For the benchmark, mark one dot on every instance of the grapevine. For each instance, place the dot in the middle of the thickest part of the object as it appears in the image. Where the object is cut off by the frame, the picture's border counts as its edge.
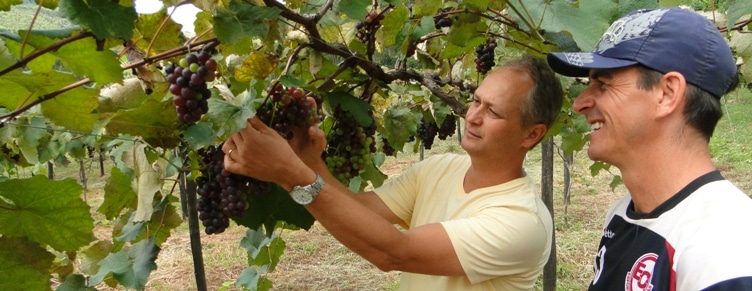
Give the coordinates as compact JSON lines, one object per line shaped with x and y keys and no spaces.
{"x":367,"y":28}
{"x":440,"y":20}
{"x":447,"y":127}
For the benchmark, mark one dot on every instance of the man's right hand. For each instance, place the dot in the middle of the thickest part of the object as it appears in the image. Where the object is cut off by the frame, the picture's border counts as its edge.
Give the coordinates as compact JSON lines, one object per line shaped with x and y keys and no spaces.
{"x":309,"y":143}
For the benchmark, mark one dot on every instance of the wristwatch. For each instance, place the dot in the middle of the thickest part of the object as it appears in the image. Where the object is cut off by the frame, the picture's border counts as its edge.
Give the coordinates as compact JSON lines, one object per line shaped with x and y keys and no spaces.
{"x":304,"y":195}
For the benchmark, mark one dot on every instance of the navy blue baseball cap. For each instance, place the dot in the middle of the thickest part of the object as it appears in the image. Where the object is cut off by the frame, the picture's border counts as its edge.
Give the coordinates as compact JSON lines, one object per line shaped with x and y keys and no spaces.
{"x":664,"y":40}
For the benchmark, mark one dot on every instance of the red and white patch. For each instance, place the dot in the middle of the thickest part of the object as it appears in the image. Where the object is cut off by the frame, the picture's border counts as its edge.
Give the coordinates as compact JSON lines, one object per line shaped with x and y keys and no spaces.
{"x":638,"y":279}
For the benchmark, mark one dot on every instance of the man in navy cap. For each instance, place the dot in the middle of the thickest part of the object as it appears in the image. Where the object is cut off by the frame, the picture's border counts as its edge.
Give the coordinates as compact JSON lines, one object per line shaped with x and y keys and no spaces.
{"x":653,"y":101}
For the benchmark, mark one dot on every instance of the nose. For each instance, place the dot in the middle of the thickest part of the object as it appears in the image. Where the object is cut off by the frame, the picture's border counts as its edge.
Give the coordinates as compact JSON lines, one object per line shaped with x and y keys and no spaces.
{"x":472,"y":115}
{"x":585,"y":101}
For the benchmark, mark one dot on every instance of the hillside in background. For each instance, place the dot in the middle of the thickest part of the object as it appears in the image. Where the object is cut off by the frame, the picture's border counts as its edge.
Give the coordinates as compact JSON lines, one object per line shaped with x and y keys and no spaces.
{"x":20,"y":16}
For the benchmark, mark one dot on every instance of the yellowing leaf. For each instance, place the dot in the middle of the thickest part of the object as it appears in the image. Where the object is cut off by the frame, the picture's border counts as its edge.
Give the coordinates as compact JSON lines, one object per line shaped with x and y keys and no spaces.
{"x":257,"y":65}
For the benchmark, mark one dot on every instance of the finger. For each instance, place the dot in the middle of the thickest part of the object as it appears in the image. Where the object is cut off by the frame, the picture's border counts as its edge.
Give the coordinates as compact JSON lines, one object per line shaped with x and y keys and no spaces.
{"x":228,"y":145}
{"x":229,"y":164}
{"x":314,"y":108}
{"x":257,"y":124}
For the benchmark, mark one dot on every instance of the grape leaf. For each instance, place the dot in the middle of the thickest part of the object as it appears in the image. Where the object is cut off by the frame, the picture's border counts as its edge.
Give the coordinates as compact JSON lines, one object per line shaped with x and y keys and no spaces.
{"x":147,"y":38}
{"x":74,"y":109}
{"x":74,"y":282}
{"x":742,"y":44}
{"x":92,"y":255}
{"x":118,"y":194}
{"x":6,"y":4}
{"x":82,"y":58}
{"x":251,"y":279}
{"x":426,"y":7}
{"x":737,"y":9}
{"x":106,"y":19}
{"x":393,"y":23}
{"x":232,"y":115}
{"x":275,"y":206}
{"x":130,"y":267}
{"x":355,"y":9}
{"x":199,"y":135}
{"x":242,"y":20}
{"x":47,"y":211}
{"x":477,"y":4}
{"x":263,"y":250}
{"x":164,"y":218}
{"x":373,"y":174}
{"x":28,"y":138}
{"x":24,"y":265}
{"x":564,"y":16}
{"x":148,"y":181}
{"x":358,"y":108}
{"x":155,"y":121}
{"x":399,"y":123}
{"x":117,"y":96}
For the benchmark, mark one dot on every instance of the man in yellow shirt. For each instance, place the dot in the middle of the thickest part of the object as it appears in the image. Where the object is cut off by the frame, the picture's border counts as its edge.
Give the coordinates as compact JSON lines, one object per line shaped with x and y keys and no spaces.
{"x":474,"y":221}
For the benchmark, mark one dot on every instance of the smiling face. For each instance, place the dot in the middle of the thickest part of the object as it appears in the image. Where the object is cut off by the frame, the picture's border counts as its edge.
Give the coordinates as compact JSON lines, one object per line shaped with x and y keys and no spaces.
{"x":618,"y":112}
{"x":493,"y":123}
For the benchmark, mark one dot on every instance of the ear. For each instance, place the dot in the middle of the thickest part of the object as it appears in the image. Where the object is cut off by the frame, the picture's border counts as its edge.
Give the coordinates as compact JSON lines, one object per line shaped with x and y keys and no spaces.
{"x":535,"y":134}
{"x":673,"y":86}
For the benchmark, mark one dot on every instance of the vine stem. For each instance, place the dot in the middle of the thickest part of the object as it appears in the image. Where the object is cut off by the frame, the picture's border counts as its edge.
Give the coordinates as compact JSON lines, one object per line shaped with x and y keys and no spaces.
{"x":53,"y":47}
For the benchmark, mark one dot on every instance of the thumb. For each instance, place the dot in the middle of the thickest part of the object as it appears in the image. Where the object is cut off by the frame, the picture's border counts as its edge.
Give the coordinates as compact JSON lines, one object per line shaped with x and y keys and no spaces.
{"x":318,"y":139}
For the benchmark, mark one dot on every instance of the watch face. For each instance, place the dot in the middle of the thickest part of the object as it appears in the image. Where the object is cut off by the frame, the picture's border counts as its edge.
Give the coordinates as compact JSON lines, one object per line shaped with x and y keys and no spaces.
{"x":301,"y":196}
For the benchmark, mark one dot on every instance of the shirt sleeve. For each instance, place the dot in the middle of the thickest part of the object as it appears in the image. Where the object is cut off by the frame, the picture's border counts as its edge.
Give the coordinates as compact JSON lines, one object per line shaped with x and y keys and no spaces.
{"x":399,"y":194}
{"x":499,"y":241}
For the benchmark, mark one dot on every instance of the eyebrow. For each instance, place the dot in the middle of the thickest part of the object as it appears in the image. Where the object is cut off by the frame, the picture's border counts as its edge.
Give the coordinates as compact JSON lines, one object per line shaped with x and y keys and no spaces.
{"x":600,"y":74}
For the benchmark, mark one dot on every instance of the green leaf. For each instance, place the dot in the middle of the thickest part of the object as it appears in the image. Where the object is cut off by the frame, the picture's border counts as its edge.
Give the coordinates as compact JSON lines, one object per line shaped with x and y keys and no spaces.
{"x":393,"y":23}
{"x":562,"y":16}
{"x":6,"y":4}
{"x":155,"y":121}
{"x":163,"y":219}
{"x":28,"y":138}
{"x":82,"y":58}
{"x":130,"y":267}
{"x":240,"y":20}
{"x":92,"y":255}
{"x":355,"y":9}
{"x":737,"y":9}
{"x":399,"y":123}
{"x":74,"y":110}
{"x":227,"y":117}
{"x":742,"y":44}
{"x":426,"y":26}
{"x":24,"y":265}
{"x":105,"y":18}
{"x":46,"y":211}
{"x":147,"y":37}
{"x":251,"y":279}
{"x":199,"y":135}
{"x":615,"y":182}
{"x":358,"y":108}
{"x":263,"y":250}
{"x":373,"y":174}
{"x":426,"y":7}
{"x":118,"y":194}
{"x":275,"y":206}
{"x":477,"y":4}
{"x":74,"y":282}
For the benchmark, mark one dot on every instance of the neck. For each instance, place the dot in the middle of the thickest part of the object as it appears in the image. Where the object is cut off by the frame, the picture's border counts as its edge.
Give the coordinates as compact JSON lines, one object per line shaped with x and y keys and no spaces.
{"x":657,"y":174}
{"x":488,"y":172}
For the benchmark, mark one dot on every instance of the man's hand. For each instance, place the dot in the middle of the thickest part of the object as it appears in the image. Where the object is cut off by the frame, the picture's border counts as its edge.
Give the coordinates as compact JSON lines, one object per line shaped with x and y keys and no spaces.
{"x":258,"y":151}
{"x":309,"y":143}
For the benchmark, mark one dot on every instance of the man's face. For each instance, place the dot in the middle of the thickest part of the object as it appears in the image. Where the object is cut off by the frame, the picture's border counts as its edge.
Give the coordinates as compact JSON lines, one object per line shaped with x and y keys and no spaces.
{"x":493,"y":121}
{"x":618,"y":112}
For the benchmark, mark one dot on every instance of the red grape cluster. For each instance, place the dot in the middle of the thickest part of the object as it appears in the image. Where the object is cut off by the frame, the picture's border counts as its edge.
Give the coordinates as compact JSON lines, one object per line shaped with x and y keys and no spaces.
{"x":448,"y":127}
{"x":188,"y":84}
{"x":367,"y":28}
{"x":427,"y":133}
{"x":485,"y":53}
{"x":387,"y":148}
{"x":222,"y":195}
{"x":289,"y":108}
{"x":441,"y":20}
{"x":350,"y":146}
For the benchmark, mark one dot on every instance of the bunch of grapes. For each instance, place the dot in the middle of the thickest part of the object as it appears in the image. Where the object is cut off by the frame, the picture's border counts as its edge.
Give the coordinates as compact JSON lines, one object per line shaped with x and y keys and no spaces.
{"x":222,"y":195}
{"x":427,"y":132}
{"x":386,"y":147}
{"x":440,"y":20}
{"x":367,"y":28}
{"x":288,"y":109}
{"x":350,"y":146}
{"x":485,"y":56}
{"x":188,"y":84}
{"x":447,"y":127}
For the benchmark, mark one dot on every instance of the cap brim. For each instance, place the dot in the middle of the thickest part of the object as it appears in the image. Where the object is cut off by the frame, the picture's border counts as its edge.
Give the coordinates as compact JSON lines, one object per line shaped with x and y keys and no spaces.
{"x":579,"y":64}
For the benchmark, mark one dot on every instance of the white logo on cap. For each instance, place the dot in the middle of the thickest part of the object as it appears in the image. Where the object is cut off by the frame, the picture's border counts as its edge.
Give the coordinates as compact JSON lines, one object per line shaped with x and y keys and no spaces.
{"x":637,"y":25}
{"x":578,"y":59}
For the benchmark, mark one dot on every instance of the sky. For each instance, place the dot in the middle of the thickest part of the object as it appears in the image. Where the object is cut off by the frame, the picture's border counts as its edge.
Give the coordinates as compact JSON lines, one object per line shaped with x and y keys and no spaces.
{"x":185,"y":14}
